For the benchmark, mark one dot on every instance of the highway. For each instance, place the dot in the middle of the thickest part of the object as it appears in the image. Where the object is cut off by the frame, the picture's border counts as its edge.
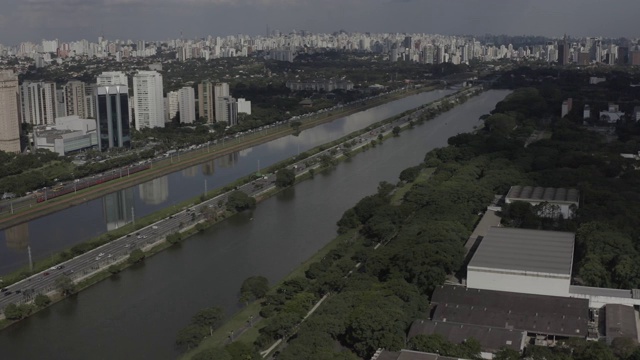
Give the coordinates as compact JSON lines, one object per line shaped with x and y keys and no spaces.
{"x":119,"y":249}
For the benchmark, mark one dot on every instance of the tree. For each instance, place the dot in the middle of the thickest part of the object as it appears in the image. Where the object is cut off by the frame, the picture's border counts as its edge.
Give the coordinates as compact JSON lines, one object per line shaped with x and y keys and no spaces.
{"x":396,"y":131}
{"x":623,"y":347}
{"x":42,"y":300}
{"x":285,"y":177}
{"x":240,"y":201}
{"x":254,"y":287}
{"x":113,"y":269}
{"x":209,"y":317}
{"x":410,"y":174}
{"x":242,"y":351}
{"x":136,"y":256}
{"x":212,"y":354}
{"x":12,"y":312}
{"x":65,"y":285}
{"x":191,"y":336}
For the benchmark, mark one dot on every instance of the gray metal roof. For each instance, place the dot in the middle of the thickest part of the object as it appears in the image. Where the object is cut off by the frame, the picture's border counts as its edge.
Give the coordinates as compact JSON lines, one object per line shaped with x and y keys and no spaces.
{"x":528,"y":193}
{"x":541,"y":314}
{"x":620,"y":321}
{"x":525,"y":250}
{"x":594,"y":291}
{"x":491,"y":339}
{"x":411,"y":355}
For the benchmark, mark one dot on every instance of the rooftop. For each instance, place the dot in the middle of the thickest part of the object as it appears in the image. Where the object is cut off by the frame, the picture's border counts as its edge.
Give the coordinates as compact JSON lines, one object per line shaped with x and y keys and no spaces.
{"x":411,"y":355}
{"x":528,"y":193}
{"x":491,"y":339}
{"x":552,"y":315}
{"x":539,"y":251}
{"x":620,"y":321}
{"x":594,"y":291}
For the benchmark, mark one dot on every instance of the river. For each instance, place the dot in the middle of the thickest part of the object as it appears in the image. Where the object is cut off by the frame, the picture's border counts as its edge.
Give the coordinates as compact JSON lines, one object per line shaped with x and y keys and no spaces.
{"x":61,"y":230}
{"x":137,"y":315}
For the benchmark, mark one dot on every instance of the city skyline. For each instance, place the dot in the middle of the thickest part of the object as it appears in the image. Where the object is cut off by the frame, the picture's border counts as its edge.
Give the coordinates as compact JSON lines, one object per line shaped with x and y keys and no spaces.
{"x":38,"y":19}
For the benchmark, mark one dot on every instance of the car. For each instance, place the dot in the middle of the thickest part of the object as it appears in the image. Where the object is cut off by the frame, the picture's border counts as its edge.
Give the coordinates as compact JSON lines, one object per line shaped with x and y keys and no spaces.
{"x":109,"y":255}
{"x":7,"y":293}
{"x":52,"y":268}
{"x":59,"y":267}
{"x":45,"y":274}
{"x":101,"y":254}
{"x":98,"y":258}
{"x":68,"y":272}
{"x":144,"y":236}
{"x":18,"y":291}
{"x":4,"y":290}
{"x":154,"y":227}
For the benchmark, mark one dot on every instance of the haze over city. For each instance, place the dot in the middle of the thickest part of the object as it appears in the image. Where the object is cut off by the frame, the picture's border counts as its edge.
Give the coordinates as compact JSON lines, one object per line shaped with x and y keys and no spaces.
{"x":68,"y":20}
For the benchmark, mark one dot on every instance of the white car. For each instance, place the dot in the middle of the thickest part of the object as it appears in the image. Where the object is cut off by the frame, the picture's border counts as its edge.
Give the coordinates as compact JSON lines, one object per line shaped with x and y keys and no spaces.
{"x":101,"y":254}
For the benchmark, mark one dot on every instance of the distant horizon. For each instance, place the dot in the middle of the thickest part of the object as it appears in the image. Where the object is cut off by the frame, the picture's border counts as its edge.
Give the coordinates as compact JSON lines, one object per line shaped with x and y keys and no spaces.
{"x":33,"y":20}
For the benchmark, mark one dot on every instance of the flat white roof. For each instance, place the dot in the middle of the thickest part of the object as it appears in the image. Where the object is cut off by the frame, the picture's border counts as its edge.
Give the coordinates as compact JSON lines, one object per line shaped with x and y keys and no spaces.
{"x":525,"y":250}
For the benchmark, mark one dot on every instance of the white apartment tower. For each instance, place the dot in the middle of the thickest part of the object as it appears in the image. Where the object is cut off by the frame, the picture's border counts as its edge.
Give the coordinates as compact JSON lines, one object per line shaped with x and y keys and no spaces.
{"x":9,"y":112}
{"x":149,"y":100}
{"x":220,"y":91}
{"x":75,"y":99}
{"x":187,"y":105}
{"x":38,"y":102}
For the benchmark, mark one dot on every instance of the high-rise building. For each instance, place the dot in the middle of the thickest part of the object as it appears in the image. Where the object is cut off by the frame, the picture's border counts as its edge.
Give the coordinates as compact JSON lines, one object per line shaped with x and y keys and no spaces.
{"x":172,"y":105}
{"x":149,"y":100}
{"x":220,"y":90}
{"x":563,"y":51}
{"x":9,"y":112}
{"x":90,"y":92}
{"x":187,"y":105}
{"x":227,"y":110}
{"x":113,"y":117}
{"x":206,"y":101}
{"x":112,"y":78}
{"x":74,"y":99}
{"x":39,"y":100}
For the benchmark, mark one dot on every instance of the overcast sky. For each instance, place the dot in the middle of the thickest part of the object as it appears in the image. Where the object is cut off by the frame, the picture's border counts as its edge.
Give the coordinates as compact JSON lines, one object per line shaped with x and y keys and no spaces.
{"x":34,"y":20}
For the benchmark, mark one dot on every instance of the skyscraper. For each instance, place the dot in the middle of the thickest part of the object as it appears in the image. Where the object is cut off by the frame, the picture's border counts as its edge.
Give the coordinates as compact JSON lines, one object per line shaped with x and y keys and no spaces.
{"x":113,"y":117}
{"x":563,"y":52}
{"x":9,"y":112}
{"x":39,"y":102}
{"x":220,"y":90}
{"x":74,"y":99}
{"x":206,"y":101}
{"x":227,"y":110}
{"x":187,"y":105}
{"x":149,"y":100}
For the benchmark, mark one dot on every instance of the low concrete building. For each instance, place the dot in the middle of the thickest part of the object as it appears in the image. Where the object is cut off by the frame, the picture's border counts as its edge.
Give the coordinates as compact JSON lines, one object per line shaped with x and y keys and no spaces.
{"x":563,"y":201}
{"x":523,"y":261}
{"x":409,"y":355}
{"x":320,"y":85}
{"x":620,"y":321}
{"x":69,"y":134}
{"x":612,"y":115}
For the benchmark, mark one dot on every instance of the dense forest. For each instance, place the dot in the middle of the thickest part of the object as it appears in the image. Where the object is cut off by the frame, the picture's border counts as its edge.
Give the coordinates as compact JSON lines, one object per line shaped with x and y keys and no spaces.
{"x":423,"y":235}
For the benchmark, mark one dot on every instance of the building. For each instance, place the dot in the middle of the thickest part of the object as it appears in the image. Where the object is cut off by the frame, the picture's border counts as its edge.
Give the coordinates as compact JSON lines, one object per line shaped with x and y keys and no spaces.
{"x":112,"y":78}
{"x":149,"y":100}
{"x":612,"y":115}
{"x":187,"y":105}
{"x":227,"y":110}
{"x":69,"y":134}
{"x":567,"y":105}
{"x":9,"y":112}
{"x":320,"y":85}
{"x":564,"y":202}
{"x":75,"y":99}
{"x":282,"y":55}
{"x":171,"y":105}
{"x":220,"y":90}
{"x":409,"y":355}
{"x":548,"y":316}
{"x":491,"y":339}
{"x":620,"y":321}
{"x":113,"y":117}
{"x":563,"y":51}
{"x":244,"y":106}
{"x":586,"y":112}
{"x":635,"y":116}
{"x":39,"y":101}
{"x":206,"y":101}
{"x":523,"y":261}
{"x":596,"y":80}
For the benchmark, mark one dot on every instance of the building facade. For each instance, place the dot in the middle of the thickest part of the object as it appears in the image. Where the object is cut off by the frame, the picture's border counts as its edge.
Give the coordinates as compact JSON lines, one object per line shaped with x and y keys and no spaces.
{"x":38,"y":102}
{"x":74,"y":99}
{"x":220,"y":90}
{"x":206,"y":103}
{"x":113,"y":117}
{"x":112,"y":78}
{"x":187,"y":105}
{"x":149,"y":100}
{"x":9,"y":112}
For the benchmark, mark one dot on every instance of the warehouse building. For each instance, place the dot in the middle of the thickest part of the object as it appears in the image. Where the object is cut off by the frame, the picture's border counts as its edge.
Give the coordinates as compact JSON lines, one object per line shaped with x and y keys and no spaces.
{"x":564,"y":201}
{"x":409,"y":355}
{"x":523,"y":261}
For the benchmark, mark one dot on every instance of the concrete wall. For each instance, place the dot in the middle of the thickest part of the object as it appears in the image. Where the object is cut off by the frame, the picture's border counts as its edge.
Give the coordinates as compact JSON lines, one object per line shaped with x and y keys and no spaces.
{"x":531,"y":283}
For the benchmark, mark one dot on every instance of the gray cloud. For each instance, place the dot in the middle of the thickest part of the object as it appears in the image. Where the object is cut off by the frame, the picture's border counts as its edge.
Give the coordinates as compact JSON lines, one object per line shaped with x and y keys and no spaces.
{"x":33,"y":20}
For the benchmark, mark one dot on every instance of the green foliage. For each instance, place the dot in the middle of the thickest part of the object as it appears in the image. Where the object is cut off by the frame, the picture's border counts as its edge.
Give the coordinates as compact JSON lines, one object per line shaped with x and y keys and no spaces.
{"x":239,"y":201}
{"x":136,"y":256}
{"x":396,"y":130}
{"x":13,"y":312}
{"x":210,"y":317}
{"x":285,"y":177}
{"x":242,"y":351}
{"x":42,"y":300}
{"x":191,"y":336}
{"x":65,"y":285}
{"x":410,"y":174}
{"x":175,"y":238}
{"x":254,"y":287}
{"x":113,"y":269}
{"x":212,"y":354}
{"x":436,"y":343}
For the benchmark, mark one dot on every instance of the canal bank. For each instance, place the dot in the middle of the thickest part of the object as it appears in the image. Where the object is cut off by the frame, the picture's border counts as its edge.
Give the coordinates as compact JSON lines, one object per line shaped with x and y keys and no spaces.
{"x":274,"y":239}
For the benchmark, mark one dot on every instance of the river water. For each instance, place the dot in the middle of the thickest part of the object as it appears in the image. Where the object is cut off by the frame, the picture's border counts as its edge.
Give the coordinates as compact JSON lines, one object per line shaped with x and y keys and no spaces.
{"x":63,"y":229}
{"x":137,"y":315}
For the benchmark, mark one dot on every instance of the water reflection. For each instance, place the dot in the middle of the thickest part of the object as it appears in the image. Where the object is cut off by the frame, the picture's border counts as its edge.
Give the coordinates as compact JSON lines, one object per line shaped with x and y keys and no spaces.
{"x":229,"y":160}
{"x":209,"y":168}
{"x":118,"y":208}
{"x":190,"y":172}
{"x":17,"y":237}
{"x":154,"y":192}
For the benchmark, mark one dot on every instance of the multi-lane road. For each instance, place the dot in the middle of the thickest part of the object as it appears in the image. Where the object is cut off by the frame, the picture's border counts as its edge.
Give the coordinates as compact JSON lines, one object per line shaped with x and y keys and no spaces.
{"x":118,"y":250}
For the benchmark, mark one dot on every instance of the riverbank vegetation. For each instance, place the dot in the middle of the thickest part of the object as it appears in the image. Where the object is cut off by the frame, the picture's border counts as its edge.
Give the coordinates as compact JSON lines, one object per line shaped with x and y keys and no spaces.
{"x":405,"y":249}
